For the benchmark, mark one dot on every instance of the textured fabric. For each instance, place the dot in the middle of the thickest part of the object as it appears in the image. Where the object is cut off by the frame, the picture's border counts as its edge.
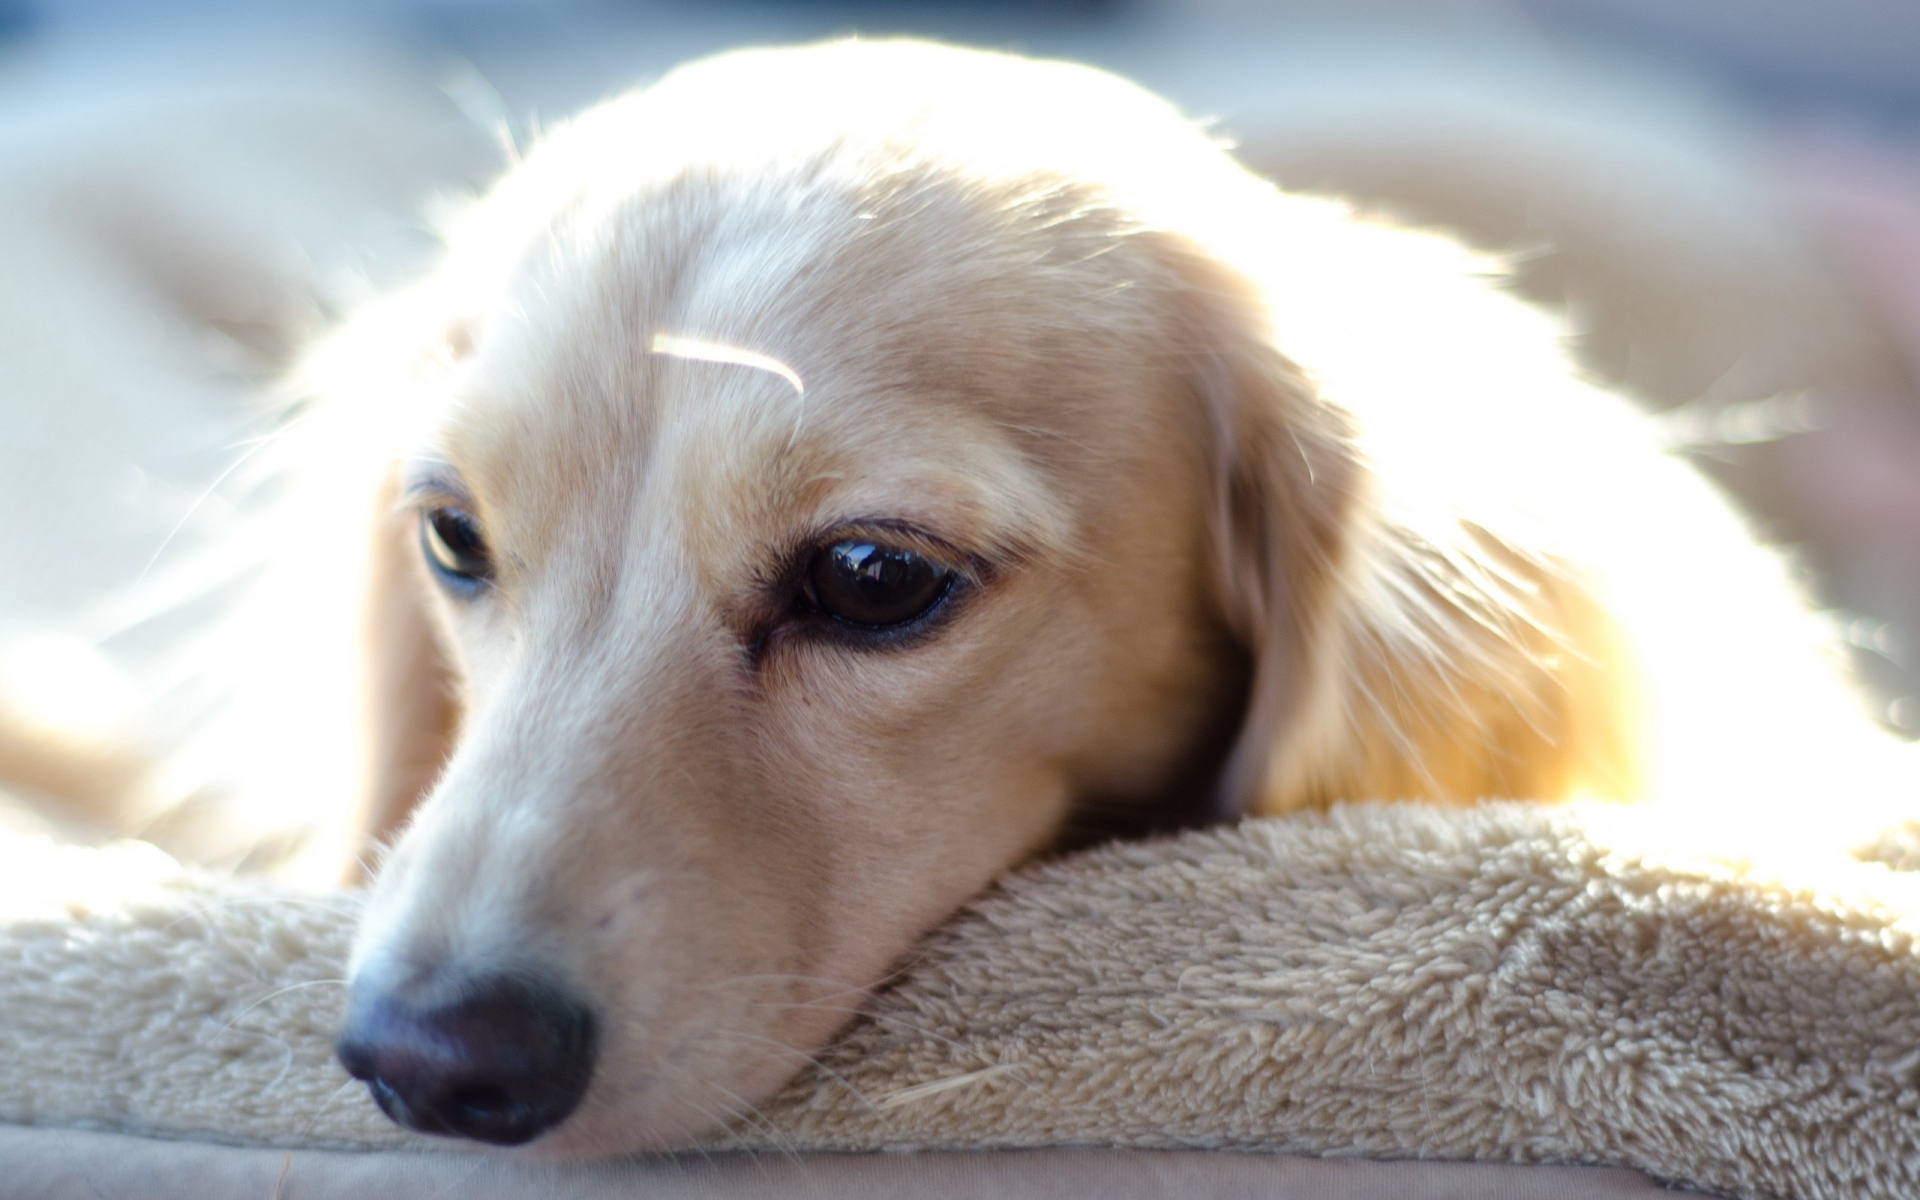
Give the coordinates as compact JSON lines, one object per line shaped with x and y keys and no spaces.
{"x":1503,"y":983}
{"x":74,"y":1165}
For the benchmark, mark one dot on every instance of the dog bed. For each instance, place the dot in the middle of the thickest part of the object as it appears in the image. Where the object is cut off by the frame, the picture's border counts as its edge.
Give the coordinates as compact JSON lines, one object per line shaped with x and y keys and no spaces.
{"x":1506,"y":984}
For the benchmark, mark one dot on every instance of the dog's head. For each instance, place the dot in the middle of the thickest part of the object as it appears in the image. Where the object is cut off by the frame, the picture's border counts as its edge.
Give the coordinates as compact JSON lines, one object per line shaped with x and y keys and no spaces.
{"x":834,"y":476}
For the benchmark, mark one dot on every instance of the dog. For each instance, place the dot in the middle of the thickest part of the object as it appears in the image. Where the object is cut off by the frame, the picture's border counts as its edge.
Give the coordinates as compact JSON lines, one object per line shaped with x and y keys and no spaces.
{"x":829,"y":477}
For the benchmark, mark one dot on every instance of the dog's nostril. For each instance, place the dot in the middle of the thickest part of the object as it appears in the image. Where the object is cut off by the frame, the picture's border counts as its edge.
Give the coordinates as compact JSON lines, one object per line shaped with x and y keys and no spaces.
{"x":478,"y":1106}
{"x":504,"y":1061}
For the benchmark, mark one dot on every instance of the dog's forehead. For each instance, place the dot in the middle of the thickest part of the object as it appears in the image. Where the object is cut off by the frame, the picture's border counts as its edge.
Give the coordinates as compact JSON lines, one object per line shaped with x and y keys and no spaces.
{"x":803,"y":347}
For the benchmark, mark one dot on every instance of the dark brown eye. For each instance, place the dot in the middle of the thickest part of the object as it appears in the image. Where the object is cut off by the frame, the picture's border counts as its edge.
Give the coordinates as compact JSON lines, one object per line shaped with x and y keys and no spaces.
{"x":874,"y":586}
{"x":450,"y":538}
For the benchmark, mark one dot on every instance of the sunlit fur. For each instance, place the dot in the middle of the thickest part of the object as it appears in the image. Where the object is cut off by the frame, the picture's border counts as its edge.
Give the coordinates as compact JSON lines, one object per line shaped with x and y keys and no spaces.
{"x":1212,"y":456}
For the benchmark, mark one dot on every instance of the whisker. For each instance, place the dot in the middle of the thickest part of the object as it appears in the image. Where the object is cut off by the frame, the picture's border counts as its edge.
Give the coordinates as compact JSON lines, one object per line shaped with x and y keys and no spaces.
{"x":711,"y":1118}
{"x":882,"y":1019}
{"x":278,"y":992}
{"x":763,"y":1122}
{"x":731,"y":1113}
{"x":320,"y":1112}
{"x":836,"y":987}
{"x":794,"y":1051}
{"x":206,"y":494}
{"x":204,"y":909}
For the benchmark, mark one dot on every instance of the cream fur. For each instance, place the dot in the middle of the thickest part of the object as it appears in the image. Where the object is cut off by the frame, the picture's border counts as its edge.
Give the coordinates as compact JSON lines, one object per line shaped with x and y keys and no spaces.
{"x":1161,"y":419}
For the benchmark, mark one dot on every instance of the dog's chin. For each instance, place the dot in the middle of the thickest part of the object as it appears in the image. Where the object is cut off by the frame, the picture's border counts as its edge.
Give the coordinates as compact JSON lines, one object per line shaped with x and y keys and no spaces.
{"x":671,"y":1104}
{"x":674,"y":1073}
{"x":636,"y":1125}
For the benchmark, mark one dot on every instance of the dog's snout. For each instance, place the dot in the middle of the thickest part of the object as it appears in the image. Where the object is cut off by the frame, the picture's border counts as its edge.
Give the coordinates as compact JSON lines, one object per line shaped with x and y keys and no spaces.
{"x":502,"y":1061}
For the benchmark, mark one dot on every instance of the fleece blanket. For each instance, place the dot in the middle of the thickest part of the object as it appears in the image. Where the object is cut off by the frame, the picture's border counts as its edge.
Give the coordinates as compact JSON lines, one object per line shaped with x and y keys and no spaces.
{"x":1506,"y":983}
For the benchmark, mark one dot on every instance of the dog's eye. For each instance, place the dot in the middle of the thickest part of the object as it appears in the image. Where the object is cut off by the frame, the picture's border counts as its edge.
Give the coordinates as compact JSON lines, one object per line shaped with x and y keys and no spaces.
{"x":453,"y":544}
{"x":865,"y":583}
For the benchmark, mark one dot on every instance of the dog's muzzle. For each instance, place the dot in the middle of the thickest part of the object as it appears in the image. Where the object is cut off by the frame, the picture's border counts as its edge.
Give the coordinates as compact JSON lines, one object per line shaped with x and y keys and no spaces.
{"x":503,"y":1060}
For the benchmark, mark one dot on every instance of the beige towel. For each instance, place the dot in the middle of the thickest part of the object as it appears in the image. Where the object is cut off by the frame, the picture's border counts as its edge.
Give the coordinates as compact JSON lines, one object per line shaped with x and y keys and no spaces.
{"x":1505,"y":983}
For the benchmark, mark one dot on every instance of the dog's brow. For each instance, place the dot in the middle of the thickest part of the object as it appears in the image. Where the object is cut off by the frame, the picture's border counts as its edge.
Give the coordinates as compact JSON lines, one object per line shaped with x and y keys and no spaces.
{"x":674,"y":346}
{"x":431,"y":476}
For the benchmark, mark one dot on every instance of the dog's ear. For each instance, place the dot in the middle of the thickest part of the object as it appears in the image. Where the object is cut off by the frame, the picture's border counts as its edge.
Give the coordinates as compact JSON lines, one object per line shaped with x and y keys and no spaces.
{"x":1286,"y":485}
{"x":363,"y":386}
{"x":1446,"y":664}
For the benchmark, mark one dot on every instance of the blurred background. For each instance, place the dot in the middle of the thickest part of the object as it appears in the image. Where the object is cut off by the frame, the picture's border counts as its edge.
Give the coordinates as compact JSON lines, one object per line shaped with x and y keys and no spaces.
{"x":1723,"y":196}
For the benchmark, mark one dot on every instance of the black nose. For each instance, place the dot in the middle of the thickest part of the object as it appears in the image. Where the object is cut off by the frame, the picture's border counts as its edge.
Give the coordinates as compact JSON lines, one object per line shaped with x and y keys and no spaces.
{"x":499,"y":1060}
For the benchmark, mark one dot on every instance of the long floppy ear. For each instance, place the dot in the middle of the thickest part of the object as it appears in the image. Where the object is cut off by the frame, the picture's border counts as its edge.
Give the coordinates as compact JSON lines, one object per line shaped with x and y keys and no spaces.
{"x":407,"y":682}
{"x":1286,"y":490}
{"x":1451,"y":664}
{"x":367,"y":382}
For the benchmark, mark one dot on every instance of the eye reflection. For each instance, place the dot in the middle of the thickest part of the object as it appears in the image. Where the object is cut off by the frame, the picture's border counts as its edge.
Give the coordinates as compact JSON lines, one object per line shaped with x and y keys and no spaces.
{"x":875,"y":586}
{"x":450,"y":538}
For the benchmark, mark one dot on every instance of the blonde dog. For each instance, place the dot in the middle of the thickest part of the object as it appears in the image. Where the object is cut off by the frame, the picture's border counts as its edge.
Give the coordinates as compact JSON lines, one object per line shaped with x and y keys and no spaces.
{"x":832,"y":476}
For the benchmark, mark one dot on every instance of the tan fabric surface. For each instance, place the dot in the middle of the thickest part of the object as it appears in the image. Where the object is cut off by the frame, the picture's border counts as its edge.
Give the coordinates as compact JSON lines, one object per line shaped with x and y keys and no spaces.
{"x":1389,"y":981}
{"x":74,"y":1165}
